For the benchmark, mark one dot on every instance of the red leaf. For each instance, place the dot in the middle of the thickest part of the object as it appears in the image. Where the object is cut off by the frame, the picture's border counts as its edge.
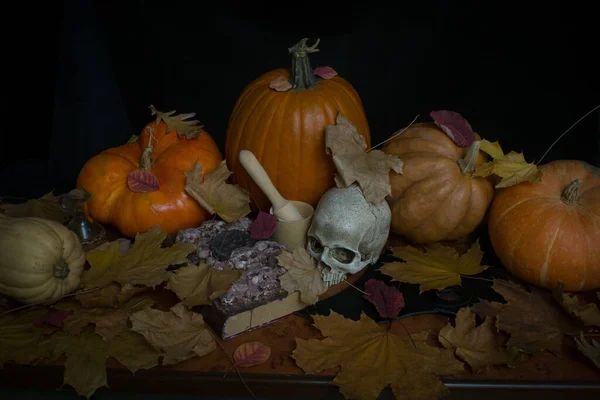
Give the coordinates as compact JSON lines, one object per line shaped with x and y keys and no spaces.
{"x":53,"y":318}
{"x":142,"y":181}
{"x":455,"y":126}
{"x":325,"y":72}
{"x":263,"y":227}
{"x":387,"y":300}
{"x":251,"y":353}
{"x":280,"y":84}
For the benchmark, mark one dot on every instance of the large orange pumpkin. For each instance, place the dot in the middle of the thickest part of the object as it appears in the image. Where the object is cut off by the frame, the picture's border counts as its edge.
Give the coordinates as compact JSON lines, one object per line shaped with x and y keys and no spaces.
{"x":105,"y":177}
{"x":286,"y":129}
{"x":549,"y":231}
{"x":436,"y":197}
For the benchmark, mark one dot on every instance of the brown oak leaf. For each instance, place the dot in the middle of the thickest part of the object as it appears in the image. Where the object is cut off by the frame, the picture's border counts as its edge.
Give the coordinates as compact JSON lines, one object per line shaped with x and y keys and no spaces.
{"x":178,"y":333}
{"x":302,"y":275}
{"x":371,"y":358}
{"x":588,"y":313}
{"x":228,"y":201}
{"x":184,"y":127}
{"x":200,"y":284}
{"x":144,"y":264}
{"x":437,"y":268}
{"x":479,"y":346}
{"x":370,"y":169}
{"x":511,"y":167}
{"x":533,"y":319}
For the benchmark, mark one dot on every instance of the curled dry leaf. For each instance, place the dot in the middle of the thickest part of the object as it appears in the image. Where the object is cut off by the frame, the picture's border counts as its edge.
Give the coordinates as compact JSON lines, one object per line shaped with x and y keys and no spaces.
{"x":144,"y":264}
{"x":178,"y":333}
{"x":590,"y":349}
{"x":479,"y":346}
{"x":47,"y":206}
{"x":438,"y":268}
{"x":251,"y":354}
{"x":302,"y":275}
{"x":511,"y":167}
{"x":200,"y":284}
{"x":263,"y":227}
{"x":533,"y":319}
{"x":180,"y":123}
{"x":230,"y":202}
{"x":142,"y":181}
{"x":455,"y":126}
{"x":280,"y":84}
{"x":388,"y":301}
{"x":371,"y":358}
{"x":588,"y":313}
{"x":354,"y":164}
{"x":325,"y":72}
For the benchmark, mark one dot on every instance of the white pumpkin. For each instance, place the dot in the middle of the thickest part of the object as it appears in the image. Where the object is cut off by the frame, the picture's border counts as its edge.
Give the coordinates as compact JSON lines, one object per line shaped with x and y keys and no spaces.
{"x":40,"y":259}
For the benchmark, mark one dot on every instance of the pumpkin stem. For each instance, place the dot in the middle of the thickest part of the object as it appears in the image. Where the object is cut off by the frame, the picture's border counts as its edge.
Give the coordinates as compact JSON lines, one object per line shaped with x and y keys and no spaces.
{"x":61,"y":269}
{"x":302,"y":76}
{"x":145,"y":161}
{"x":467,"y":163}
{"x":571,"y":193}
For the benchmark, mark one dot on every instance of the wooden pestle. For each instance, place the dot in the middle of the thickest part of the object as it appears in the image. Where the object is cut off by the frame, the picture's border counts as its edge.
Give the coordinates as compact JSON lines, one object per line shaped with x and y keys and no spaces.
{"x":282,"y":208}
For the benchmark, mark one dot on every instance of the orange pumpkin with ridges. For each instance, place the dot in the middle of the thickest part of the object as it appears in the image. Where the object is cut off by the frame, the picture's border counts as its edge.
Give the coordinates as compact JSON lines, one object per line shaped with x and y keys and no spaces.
{"x":105,"y":177}
{"x":549,"y":231}
{"x":286,"y":129}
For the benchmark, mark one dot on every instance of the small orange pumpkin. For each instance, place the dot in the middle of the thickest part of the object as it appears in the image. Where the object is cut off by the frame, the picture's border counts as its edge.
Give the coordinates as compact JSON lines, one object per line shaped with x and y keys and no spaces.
{"x":166,"y":156}
{"x":436,"y":197}
{"x":286,"y":129}
{"x":549,"y":231}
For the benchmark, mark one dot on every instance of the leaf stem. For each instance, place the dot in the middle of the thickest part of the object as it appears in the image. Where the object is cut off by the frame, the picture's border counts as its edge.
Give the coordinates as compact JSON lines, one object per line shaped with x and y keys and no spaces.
{"x":407,"y":332}
{"x":349,"y":284}
{"x":398,"y":133}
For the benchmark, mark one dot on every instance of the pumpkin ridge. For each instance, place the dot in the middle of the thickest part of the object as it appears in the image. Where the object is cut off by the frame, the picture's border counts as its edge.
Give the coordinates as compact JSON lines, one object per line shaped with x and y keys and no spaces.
{"x":544,"y":270}
{"x":116,"y":153}
{"x":358,"y":107}
{"x":511,"y":208}
{"x":287,"y":99}
{"x":426,"y":218}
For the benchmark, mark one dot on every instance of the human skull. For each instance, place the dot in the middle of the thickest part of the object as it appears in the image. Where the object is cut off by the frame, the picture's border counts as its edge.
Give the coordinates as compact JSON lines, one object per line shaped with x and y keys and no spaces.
{"x":347,"y":232}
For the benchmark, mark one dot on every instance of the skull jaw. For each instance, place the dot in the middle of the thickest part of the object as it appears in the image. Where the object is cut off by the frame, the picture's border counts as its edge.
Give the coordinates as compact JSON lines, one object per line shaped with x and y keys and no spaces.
{"x":330,"y":275}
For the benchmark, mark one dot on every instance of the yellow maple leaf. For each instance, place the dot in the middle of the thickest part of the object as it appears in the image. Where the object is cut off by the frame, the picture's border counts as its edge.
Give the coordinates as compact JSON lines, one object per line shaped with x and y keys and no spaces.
{"x":21,"y":340}
{"x":370,"y":169}
{"x":511,"y":167}
{"x":178,"y":333}
{"x":479,"y":346}
{"x":47,"y":206}
{"x":437,"y":268}
{"x":302,"y":275}
{"x":371,"y":357}
{"x":230,"y":202}
{"x":133,"y":351}
{"x":113,"y":295}
{"x":200,"y":284}
{"x":144,"y":263}
{"x":180,"y":123}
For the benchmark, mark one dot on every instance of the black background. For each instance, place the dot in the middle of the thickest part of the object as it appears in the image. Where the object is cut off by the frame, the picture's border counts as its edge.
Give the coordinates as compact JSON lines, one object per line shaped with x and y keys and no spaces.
{"x":81,"y":74}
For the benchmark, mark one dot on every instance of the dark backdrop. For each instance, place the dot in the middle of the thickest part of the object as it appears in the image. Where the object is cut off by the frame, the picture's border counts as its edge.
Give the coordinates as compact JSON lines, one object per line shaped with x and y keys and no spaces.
{"x":84,"y":72}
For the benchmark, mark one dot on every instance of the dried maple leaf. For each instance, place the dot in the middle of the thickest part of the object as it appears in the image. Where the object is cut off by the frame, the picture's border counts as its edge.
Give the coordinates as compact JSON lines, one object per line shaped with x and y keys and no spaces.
{"x":144,"y":264}
{"x":590,"y":350}
{"x":263,"y":227}
{"x":371,"y":358}
{"x":112,"y":295}
{"x":485,"y":308}
{"x":588,"y":313}
{"x":180,"y":123}
{"x":479,"y":346}
{"x":179,"y":334}
{"x":302,"y":275}
{"x":354,"y":164}
{"x":325,"y":72}
{"x":133,"y":351}
{"x":455,"y":126}
{"x":85,"y":367}
{"x":388,"y":301}
{"x":47,"y":206}
{"x":511,"y":167}
{"x":280,"y":84}
{"x":230,"y":202}
{"x":251,"y":354}
{"x":438,"y":268}
{"x":110,"y":322}
{"x":200,"y":284}
{"x":21,"y":339}
{"x":533,"y":319}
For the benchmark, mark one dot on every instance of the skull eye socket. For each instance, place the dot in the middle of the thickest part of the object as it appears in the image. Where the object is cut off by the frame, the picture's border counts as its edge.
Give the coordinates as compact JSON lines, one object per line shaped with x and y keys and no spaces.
{"x":314,"y":245}
{"x":345,"y":256}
